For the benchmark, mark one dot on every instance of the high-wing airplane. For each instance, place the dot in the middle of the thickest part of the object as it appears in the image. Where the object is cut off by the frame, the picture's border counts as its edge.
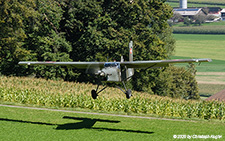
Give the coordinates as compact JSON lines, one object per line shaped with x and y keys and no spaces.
{"x":116,"y":71}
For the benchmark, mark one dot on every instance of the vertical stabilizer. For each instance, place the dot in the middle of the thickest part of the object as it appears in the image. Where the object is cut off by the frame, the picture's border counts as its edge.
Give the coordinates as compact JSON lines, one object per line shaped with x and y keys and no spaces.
{"x":130,"y":71}
{"x":131,"y":51}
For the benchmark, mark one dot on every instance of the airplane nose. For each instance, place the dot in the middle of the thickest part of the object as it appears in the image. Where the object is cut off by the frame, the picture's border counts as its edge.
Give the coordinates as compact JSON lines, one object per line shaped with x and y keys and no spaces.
{"x":102,"y":73}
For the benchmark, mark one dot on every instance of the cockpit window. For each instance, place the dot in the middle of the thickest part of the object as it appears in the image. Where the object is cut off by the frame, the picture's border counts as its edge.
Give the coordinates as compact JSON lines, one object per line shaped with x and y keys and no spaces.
{"x":112,"y":64}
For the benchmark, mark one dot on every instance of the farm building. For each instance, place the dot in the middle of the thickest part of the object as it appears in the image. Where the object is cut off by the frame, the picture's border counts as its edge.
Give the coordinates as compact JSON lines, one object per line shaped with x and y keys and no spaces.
{"x":220,"y":96}
{"x":223,"y":14}
{"x":212,"y":13}
{"x":215,"y":11}
{"x":189,"y":12}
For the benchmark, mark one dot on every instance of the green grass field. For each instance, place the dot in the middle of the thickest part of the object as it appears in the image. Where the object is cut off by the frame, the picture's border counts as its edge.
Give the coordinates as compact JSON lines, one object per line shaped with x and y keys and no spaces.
{"x":176,"y":4}
{"x":204,"y":46}
{"x":217,"y":28}
{"x":200,"y":3}
{"x":203,"y":1}
{"x":29,"y":124}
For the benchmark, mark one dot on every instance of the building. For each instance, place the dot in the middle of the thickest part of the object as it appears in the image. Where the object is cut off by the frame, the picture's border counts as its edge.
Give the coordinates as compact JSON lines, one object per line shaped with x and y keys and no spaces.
{"x":223,"y":14}
{"x":189,"y":12}
{"x":183,"y":4}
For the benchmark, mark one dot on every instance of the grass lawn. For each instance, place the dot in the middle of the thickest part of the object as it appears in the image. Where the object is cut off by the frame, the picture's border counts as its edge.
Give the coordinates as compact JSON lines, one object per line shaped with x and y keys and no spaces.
{"x":204,"y":1}
{"x":176,"y":4}
{"x":29,"y":124}
{"x":204,"y":46}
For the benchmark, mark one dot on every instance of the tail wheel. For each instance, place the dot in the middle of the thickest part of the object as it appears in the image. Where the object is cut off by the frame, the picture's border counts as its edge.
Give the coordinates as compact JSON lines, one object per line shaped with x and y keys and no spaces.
{"x":128,"y":93}
{"x":94,"y":94}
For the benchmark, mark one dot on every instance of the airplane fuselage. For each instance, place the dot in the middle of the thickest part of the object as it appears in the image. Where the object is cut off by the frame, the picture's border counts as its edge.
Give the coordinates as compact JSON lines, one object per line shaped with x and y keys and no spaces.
{"x":113,"y":72}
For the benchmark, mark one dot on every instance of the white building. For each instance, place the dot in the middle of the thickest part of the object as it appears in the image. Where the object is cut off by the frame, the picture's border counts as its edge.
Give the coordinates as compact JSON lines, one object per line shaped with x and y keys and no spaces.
{"x":223,"y":14}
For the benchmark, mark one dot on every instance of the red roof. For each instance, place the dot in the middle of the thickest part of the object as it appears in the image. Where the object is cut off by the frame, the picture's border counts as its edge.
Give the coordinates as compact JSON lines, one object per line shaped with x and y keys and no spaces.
{"x":220,"y":96}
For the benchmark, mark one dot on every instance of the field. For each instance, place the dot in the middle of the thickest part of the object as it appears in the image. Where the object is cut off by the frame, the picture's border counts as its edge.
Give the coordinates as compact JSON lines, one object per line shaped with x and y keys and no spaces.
{"x":206,"y":28}
{"x":211,"y":76}
{"x":199,"y":3}
{"x":33,"y":124}
{"x":59,"y":94}
{"x":203,"y":1}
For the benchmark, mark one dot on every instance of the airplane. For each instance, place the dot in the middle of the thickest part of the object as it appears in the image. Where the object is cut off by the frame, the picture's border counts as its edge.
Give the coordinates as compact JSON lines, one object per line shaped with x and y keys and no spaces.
{"x":116,"y":71}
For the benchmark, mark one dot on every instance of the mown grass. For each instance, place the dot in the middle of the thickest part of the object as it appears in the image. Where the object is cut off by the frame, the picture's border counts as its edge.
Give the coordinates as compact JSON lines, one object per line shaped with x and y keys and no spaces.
{"x":209,"y":89}
{"x":191,"y":4}
{"x":203,"y":1}
{"x":30,"y":124}
{"x":39,"y":92}
{"x":203,"y":46}
{"x":200,"y":46}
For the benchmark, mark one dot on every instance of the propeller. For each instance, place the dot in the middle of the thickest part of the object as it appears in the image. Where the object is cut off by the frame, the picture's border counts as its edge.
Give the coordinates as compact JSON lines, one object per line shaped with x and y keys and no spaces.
{"x":93,"y":69}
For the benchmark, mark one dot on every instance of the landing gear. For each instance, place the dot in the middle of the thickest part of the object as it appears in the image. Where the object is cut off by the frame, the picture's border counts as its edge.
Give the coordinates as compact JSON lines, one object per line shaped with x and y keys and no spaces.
{"x":128,"y":94}
{"x":94,"y":93}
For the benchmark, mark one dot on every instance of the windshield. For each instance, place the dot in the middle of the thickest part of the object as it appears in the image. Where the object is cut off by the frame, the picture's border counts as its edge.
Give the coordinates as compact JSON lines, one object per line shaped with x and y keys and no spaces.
{"x":112,"y":64}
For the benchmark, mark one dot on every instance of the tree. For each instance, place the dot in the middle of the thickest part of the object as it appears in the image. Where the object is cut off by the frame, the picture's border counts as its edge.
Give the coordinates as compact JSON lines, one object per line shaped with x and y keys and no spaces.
{"x":199,"y":19}
{"x":187,"y":21}
{"x":178,"y":82}
{"x":14,"y":16}
{"x":176,"y":17}
{"x":46,"y":40}
{"x":99,"y":30}
{"x":30,"y":31}
{"x":84,"y":30}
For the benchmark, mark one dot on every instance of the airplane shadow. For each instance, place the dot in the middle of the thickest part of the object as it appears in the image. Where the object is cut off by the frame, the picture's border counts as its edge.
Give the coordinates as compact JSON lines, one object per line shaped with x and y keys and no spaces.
{"x":86,"y":123}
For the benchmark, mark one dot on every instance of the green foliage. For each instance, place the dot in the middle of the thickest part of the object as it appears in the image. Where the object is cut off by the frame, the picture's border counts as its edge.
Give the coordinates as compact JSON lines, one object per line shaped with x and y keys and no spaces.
{"x":187,"y":21}
{"x":30,"y":31}
{"x":199,"y":19}
{"x":83,"y":30}
{"x":14,"y":16}
{"x":178,"y":82}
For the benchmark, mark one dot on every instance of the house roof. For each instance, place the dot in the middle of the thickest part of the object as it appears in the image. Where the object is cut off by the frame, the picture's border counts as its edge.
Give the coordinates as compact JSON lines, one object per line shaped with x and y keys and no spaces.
{"x":188,"y":11}
{"x":220,"y":96}
{"x":223,"y":11}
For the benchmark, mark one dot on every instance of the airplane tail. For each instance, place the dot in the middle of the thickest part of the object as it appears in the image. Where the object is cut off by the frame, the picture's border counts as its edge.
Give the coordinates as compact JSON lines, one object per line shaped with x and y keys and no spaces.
{"x":130,"y":71}
{"x":131,"y":51}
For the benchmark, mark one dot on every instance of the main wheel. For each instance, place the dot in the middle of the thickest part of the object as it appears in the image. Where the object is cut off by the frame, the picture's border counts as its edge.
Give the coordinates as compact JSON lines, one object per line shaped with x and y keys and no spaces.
{"x":128,"y":94}
{"x":94,"y":94}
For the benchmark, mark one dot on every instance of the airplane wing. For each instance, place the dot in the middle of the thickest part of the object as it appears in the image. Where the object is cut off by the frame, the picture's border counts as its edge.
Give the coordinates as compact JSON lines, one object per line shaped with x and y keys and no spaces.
{"x":160,"y":63}
{"x":78,"y":65}
{"x":132,"y":64}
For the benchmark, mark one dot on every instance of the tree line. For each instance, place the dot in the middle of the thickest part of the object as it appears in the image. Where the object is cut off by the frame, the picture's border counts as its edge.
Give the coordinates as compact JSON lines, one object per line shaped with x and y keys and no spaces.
{"x":91,"y":30}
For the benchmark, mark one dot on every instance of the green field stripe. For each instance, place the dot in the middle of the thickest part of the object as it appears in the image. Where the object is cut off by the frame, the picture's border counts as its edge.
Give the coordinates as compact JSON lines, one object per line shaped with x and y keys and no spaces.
{"x":30,"y":124}
{"x":214,"y":66}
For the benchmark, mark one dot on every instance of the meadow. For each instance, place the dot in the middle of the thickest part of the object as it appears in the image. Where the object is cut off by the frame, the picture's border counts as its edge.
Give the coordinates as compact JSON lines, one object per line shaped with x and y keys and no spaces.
{"x":203,"y":1}
{"x":202,"y":46}
{"x":211,"y":76}
{"x":199,"y":3}
{"x":31,"y":124}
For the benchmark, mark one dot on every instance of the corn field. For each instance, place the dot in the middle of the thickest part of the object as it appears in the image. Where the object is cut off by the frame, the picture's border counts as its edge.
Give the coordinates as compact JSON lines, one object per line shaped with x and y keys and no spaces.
{"x":40,"y":92}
